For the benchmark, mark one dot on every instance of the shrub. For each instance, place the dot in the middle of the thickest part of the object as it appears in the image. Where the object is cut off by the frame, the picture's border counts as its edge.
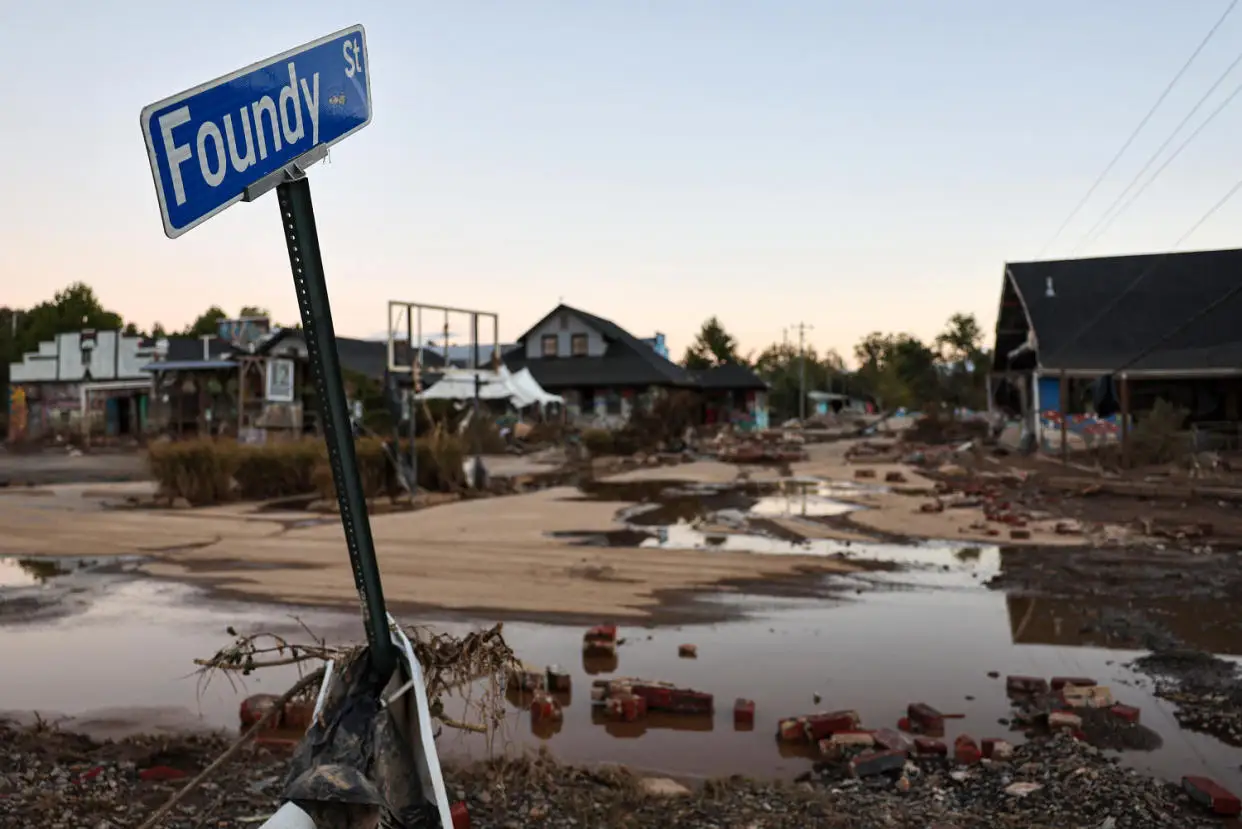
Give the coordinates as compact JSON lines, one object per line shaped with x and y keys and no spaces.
{"x":278,"y":469}
{"x":200,"y":471}
{"x":440,"y":458}
{"x":1157,"y":436}
{"x":598,"y":441}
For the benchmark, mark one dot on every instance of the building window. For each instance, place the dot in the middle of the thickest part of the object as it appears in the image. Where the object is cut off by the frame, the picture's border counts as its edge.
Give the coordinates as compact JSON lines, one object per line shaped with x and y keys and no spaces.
{"x":549,"y":344}
{"x":564,"y":319}
{"x":578,"y":345}
{"x":612,"y":402}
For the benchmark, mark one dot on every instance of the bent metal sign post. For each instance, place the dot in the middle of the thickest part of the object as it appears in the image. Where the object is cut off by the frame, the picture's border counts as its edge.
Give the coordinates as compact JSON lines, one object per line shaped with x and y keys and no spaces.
{"x":236,"y":138}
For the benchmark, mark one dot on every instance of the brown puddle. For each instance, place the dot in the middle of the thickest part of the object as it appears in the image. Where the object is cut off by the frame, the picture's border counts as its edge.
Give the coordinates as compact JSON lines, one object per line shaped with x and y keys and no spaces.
{"x":126,"y":662}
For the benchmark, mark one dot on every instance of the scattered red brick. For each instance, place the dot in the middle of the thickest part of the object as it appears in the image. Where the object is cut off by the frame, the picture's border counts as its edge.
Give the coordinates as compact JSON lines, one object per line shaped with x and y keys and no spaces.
{"x":1059,"y":682}
{"x":162,"y":773}
{"x":894,"y":477}
{"x":930,"y":747}
{"x":460,"y":815}
{"x":932,"y":506}
{"x":559,"y":680}
{"x":626,"y":707}
{"x":903,"y":724}
{"x":544,"y":708}
{"x":997,"y":749}
{"x":1064,"y":719}
{"x":297,"y":714}
{"x":1026,"y":685}
{"x":1020,"y":535}
{"x":1212,"y":795}
{"x":890,"y":740}
{"x":743,"y":713}
{"x":600,"y":639}
{"x":688,"y":651}
{"x":528,"y":681}
{"x":1125,"y":712}
{"x":90,"y":774}
{"x":966,"y":751}
{"x":871,"y":763}
{"x":925,"y":719}
{"x":819,"y":726}
{"x":864,"y":473}
{"x":253,"y":708}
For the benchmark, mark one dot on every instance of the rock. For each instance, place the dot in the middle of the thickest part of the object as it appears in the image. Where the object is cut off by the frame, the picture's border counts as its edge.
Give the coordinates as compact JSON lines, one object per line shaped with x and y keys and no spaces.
{"x":662,"y":787}
{"x":1022,"y":789}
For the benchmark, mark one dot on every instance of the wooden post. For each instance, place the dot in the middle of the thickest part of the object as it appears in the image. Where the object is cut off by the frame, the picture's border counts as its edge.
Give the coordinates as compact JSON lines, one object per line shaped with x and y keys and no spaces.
{"x":1064,"y":393}
{"x":242,"y":367}
{"x":1125,"y":421}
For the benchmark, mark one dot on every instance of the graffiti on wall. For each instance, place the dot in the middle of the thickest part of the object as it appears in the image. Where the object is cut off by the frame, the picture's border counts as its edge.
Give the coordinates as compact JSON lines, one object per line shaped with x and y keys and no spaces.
{"x":1087,"y":429}
{"x":17,"y":413}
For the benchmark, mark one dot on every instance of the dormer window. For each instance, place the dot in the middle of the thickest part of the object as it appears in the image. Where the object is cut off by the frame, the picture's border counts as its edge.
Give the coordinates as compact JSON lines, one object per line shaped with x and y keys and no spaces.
{"x":578,"y":345}
{"x":548,"y":345}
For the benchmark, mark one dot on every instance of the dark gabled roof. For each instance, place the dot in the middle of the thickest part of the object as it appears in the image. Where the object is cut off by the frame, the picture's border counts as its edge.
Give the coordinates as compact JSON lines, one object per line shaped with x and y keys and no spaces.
{"x":628,"y":361}
{"x":1174,"y":289}
{"x":367,"y":357}
{"x":188,"y":349}
{"x":730,"y":377}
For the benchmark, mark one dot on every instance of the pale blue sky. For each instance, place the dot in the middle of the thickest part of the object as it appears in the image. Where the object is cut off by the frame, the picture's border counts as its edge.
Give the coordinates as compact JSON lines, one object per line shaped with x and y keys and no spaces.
{"x":858,"y":165}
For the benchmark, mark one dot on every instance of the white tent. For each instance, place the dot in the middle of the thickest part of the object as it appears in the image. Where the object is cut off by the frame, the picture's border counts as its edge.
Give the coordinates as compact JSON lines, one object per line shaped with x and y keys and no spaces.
{"x":530,"y":390}
{"x":520,"y":389}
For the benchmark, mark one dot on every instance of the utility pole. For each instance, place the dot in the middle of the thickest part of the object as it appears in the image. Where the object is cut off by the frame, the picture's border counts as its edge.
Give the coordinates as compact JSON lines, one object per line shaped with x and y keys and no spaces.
{"x":802,"y":329}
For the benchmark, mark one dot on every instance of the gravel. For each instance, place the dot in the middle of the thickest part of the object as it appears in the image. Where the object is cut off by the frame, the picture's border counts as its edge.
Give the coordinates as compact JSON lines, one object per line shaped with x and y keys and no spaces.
{"x":54,"y":780}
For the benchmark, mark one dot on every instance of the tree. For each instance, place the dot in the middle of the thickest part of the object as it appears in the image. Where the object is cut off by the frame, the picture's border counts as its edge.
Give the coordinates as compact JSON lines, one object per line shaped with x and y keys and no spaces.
{"x":207,"y":322}
{"x":780,"y":365}
{"x":253,"y":311}
{"x":965,"y":361}
{"x":74,"y":308}
{"x":960,"y":340}
{"x":712,"y":346}
{"x":158,"y":332}
{"x":131,"y":330}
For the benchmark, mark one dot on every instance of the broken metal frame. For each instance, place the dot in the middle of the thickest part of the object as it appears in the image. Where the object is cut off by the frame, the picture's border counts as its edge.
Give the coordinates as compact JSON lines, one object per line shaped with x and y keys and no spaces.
{"x":412,"y":314}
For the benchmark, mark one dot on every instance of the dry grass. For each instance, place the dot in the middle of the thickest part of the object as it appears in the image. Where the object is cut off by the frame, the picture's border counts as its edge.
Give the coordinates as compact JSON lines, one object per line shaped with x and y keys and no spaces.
{"x":451,"y":665}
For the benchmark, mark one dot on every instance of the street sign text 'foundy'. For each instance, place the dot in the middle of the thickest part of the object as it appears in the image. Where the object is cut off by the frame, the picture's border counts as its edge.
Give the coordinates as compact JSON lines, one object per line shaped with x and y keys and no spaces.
{"x":209,"y":145}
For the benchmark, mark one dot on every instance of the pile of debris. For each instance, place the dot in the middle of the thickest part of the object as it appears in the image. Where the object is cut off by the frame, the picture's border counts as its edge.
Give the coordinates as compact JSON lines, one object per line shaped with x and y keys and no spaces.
{"x":630,"y":699}
{"x":770,"y":447}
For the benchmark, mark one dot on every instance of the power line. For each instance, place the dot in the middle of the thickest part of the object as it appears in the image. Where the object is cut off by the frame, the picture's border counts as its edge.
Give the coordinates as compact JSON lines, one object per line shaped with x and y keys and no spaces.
{"x":1152,"y":158}
{"x":1133,"y":135}
{"x":1107,"y":309}
{"x":1208,"y":309}
{"x":1137,"y":193}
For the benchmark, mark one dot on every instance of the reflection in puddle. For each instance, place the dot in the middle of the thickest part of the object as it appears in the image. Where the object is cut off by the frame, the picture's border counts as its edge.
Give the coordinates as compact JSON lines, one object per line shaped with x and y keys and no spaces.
{"x":29,"y":572}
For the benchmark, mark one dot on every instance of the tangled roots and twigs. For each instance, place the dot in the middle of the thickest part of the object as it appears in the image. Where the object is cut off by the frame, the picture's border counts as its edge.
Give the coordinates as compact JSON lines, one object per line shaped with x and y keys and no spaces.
{"x":449,"y":663}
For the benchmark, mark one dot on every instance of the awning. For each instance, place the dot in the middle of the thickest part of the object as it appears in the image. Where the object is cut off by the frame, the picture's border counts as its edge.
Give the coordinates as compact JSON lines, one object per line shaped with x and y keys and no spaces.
{"x":189,"y":365}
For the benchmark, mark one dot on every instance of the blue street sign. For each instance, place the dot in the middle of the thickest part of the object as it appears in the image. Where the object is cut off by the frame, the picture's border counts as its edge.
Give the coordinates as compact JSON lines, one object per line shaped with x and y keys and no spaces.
{"x":215,"y":144}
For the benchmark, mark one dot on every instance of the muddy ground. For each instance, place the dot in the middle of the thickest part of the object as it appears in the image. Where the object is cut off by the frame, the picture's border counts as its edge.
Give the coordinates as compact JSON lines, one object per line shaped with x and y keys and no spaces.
{"x":51,"y":779}
{"x":59,"y":466}
{"x":644,"y":548}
